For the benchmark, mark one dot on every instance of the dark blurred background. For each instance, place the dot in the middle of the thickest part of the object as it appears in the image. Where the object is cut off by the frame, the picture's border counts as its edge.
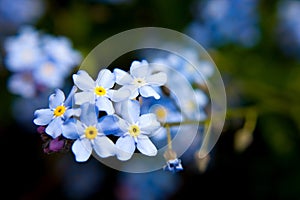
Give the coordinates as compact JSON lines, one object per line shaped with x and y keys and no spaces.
{"x":256,"y":47}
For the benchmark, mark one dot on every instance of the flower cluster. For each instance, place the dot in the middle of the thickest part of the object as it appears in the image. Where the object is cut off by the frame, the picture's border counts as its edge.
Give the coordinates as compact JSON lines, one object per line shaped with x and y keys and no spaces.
{"x":38,"y":61}
{"x":99,"y":118}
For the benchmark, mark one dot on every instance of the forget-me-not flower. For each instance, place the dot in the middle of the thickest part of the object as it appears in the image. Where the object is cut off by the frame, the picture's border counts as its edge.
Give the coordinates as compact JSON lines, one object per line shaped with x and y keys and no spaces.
{"x":58,"y":112}
{"x":99,"y":91}
{"x":90,"y":133}
{"x":23,"y":52}
{"x":135,"y":131}
{"x":173,"y":165}
{"x":140,"y":80}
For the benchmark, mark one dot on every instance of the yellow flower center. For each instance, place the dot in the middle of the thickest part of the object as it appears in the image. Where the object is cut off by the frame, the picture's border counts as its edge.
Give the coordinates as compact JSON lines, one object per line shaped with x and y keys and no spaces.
{"x":161,"y":113}
{"x":139,"y":82}
{"x":90,"y":132}
{"x":134,"y":130}
{"x":59,"y":111}
{"x":100,"y":91}
{"x":48,"y":69}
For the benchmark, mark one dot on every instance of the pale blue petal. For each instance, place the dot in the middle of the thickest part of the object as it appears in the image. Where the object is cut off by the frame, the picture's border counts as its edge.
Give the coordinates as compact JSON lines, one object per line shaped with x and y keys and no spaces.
{"x":159,"y":134}
{"x":80,"y":128}
{"x":122,"y":77}
{"x":139,"y":69}
{"x":131,"y":111}
{"x":134,"y":93}
{"x":104,"y":104}
{"x":148,"y":123}
{"x":83,"y":97}
{"x":104,"y":147}
{"x":69,"y":100}
{"x":201,"y":97}
{"x":119,"y":95}
{"x":83,"y":81}
{"x":109,"y":125}
{"x":56,"y":99}
{"x":105,"y":79}
{"x":54,"y":129}
{"x":133,"y":90}
{"x":123,"y":124}
{"x":89,"y":114}
{"x":72,"y":112}
{"x":69,"y":130}
{"x":82,"y":150}
{"x":147,"y":91}
{"x":157,"y":79}
{"x":145,"y":146}
{"x":43,"y":116}
{"x":125,"y":147}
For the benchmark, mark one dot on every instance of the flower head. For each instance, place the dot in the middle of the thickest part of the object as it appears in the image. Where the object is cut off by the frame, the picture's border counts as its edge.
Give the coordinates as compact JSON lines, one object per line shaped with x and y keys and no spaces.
{"x":98,"y":92}
{"x":58,"y":112}
{"x":135,"y":131}
{"x":90,"y":134}
{"x":173,"y":163}
{"x":140,"y":80}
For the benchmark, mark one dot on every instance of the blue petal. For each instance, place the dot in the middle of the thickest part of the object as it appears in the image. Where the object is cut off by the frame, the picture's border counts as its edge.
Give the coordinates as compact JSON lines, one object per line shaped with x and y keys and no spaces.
{"x":148,"y":123}
{"x":119,"y":95}
{"x":131,"y":111}
{"x":83,"y":81}
{"x":89,"y":114}
{"x":145,"y":146}
{"x":123,"y":125}
{"x":104,"y":104}
{"x":70,"y":98}
{"x":139,"y":69}
{"x":54,"y":129}
{"x":69,"y":130}
{"x":109,"y":125}
{"x":56,"y":99}
{"x":125,"y":147}
{"x":122,"y":77}
{"x":82,"y":150}
{"x":147,"y":91}
{"x":104,"y":147}
{"x":43,"y":117}
{"x":72,"y":112}
{"x":105,"y":79}
{"x":157,"y":79}
{"x":83,"y":97}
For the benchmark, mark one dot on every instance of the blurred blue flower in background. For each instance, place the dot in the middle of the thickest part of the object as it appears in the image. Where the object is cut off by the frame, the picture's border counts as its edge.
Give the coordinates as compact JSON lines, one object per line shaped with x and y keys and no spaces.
{"x":288,"y":29}
{"x":220,"y":22}
{"x":41,"y":61}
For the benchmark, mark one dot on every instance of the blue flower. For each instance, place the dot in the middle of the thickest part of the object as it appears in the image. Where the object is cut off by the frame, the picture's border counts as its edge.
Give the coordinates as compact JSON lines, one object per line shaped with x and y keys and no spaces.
{"x":59,"y":50}
{"x":135,"y":131}
{"x":99,"y":91}
{"x":90,"y":134}
{"x":47,"y":60}
{"x":23,"y":51}
{"x":22,"y":84}
{"x":140,"y":80}
{"x":58,"y":112}
{"x":173,"y":165}
{"x":49,"y":74}
{"x":166,"y":111}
